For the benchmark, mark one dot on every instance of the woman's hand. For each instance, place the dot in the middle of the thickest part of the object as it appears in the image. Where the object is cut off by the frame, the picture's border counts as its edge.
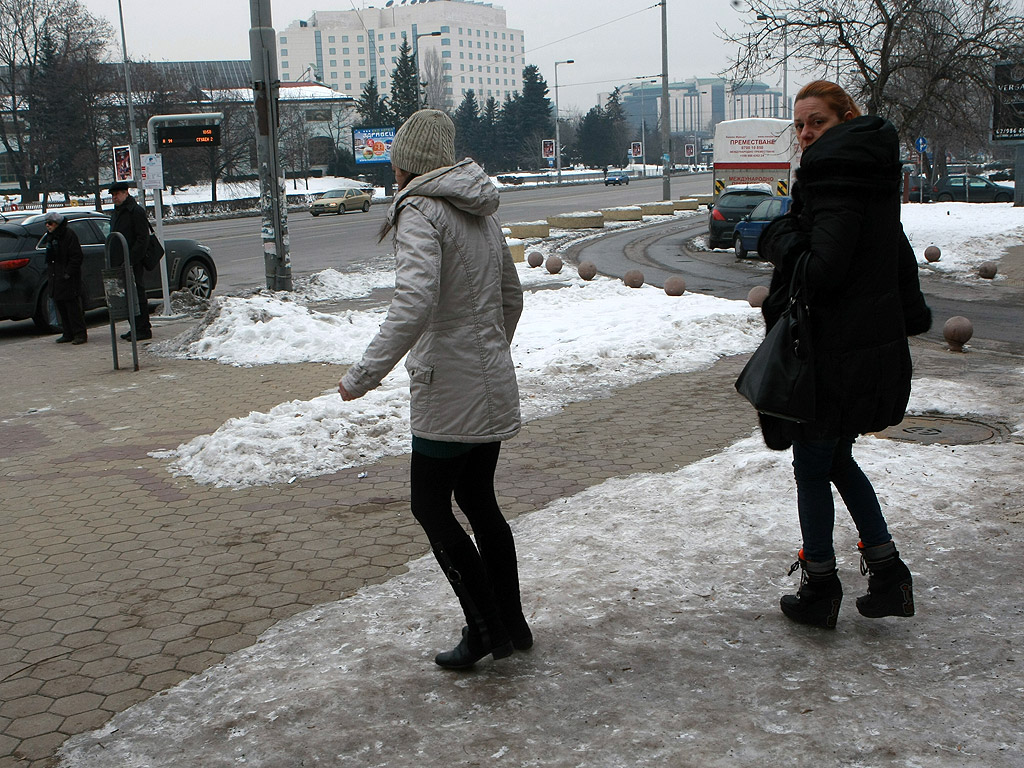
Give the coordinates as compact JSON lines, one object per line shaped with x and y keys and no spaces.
{"x":345,"y":394}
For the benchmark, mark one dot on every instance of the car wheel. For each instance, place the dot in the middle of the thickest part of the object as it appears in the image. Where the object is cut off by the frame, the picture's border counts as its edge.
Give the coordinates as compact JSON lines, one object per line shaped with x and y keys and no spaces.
{"x":197,"y":279}
{"x":315,"y":214}
{"x":46,"y":317}
{"x":741,"y":252}
{"x":627,"y":182}
{"x":944,"y":198}
{"x":1002,"y":198}
{"x":366,"y":206}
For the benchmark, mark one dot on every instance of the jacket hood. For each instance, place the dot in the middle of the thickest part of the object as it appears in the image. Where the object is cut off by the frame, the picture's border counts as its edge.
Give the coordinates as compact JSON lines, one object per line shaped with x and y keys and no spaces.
{"x":464,"y":185}
{"x":865,"y":147}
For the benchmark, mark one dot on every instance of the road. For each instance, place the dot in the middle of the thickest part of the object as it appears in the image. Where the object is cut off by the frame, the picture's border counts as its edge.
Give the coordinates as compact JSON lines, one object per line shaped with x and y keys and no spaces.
{"x":349,"y":239}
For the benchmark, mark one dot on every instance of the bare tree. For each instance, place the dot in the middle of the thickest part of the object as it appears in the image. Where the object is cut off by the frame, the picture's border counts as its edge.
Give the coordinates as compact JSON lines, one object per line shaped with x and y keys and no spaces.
{"x":30,"y":29}
{"x":909,"y":60}
{"x":435,"y":90}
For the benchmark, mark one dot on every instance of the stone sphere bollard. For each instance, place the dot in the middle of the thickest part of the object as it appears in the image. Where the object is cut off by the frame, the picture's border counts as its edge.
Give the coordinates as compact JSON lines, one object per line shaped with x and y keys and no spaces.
{"x":634,"y":278}
{"x":987,"y":270}
{"x":675,"y":286}
{"x":587,"y":270}
{"x":757,"y":295}
{"x":535,"y":258}
{"x":932,"y":253}
{"x":553,"y":265}
{"x":957,"y":331}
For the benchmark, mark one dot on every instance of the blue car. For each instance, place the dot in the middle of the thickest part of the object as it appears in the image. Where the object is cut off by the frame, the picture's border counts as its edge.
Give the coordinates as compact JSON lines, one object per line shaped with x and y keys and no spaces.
{"x":750,"y":227}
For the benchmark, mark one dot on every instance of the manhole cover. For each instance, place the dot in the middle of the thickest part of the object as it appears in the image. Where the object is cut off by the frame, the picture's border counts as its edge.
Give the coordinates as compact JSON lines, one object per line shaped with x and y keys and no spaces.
{"x":942,"y":430}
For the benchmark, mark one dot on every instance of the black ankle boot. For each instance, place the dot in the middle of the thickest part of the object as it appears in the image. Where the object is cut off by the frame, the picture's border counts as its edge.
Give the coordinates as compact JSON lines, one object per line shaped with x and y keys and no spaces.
{"x":817,"y":601}
{"x":890,"y":585}
{"x":469,"y":651}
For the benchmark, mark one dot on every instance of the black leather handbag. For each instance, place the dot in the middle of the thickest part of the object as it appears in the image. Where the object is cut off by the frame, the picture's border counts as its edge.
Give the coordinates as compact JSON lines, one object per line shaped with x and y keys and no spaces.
{"x":778,"y":379}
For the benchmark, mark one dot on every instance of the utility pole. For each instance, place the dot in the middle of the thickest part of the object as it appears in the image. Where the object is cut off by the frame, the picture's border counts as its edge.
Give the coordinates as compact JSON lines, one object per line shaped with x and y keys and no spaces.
{"x":273,"y":201}
{"x":666,"y":134}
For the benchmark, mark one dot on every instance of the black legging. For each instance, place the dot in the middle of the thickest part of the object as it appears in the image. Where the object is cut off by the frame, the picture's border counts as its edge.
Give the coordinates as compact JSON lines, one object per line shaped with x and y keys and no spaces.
{"x":471,"y":478}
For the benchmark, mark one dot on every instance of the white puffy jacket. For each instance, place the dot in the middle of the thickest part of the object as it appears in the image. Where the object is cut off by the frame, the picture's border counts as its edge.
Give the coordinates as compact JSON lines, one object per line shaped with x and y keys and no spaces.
{"x":456,"y":305}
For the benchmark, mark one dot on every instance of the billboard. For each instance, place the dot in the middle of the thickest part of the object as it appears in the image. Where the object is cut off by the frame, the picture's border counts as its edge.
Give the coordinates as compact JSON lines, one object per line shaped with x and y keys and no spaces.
{"x":636,"y":149}
{"x":547,"y":148}
{"x":1008,"y":105}
{"x":372,"y":145}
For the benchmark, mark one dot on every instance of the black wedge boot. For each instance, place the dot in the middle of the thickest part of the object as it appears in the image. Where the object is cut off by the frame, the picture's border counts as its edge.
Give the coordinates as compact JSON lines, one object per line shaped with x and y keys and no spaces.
{"x":485,"y":633}
{"x":817,"y":601}
{"x":890,"y":585}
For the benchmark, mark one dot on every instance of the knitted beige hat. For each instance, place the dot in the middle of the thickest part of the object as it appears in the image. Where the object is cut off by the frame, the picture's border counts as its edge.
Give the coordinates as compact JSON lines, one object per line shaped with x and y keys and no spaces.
{"x":426,"y":141}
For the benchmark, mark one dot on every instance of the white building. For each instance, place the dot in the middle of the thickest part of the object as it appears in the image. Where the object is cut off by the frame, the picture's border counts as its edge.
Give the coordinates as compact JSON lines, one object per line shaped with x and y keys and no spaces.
{"x":475,"y":49}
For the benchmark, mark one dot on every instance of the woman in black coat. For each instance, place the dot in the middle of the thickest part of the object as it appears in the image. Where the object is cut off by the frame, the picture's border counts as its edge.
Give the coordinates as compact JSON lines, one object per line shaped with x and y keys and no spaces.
{"x":865,"y":299}
{"x":64,"y":267}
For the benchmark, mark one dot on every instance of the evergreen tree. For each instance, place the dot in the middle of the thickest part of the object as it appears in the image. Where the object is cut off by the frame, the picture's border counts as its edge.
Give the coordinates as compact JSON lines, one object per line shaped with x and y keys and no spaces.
{"x":373,"y":109}
{"x":507,"y":133}
{"x":467,"y":128}
{"x":405,"y":85}
{"x":533,"y":119}
{"x":619,"y":127}
{"x":490,"y":119}
{"x":595,"y":139}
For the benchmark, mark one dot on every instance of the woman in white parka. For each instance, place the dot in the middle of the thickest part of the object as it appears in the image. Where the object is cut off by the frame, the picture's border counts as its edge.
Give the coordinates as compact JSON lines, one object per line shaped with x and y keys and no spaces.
{"x":456,"y":305}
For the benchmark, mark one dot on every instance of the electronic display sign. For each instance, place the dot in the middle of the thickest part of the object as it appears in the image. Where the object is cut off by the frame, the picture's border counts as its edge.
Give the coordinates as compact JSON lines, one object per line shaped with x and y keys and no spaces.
{"x":171,"y":136}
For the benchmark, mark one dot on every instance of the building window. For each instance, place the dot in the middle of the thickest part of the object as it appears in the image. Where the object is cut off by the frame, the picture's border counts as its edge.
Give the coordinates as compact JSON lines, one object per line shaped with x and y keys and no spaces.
{"x":392,"y":35}
{"x":362,"y":75}
{"x":345,"y":51}
{"x":334,"y":76}
{"x":284,"y":40}
{"x":446,"y":41}
{"x":284,"y":51}
{"x":446,"y":29}
{"x":344,"y":38}
{"x":348,"y":86}
{"x":284,"y":65}
{"x":286,"y":76}
{"x":332,"y":51}
{"x":394,"y":47}
{"x":330,"y":38}
{"x":348,"y":75}
{"x":446,"y":54}
{"x":359,"y":38}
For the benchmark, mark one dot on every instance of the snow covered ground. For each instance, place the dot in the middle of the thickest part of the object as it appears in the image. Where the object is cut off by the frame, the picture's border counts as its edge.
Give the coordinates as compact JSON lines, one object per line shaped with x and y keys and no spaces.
{"x":653,"y":597}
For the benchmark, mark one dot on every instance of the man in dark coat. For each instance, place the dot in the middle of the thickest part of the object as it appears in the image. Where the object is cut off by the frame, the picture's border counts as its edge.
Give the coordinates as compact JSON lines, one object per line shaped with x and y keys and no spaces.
{"x":130,"y":220}
{"x":64,"y":268}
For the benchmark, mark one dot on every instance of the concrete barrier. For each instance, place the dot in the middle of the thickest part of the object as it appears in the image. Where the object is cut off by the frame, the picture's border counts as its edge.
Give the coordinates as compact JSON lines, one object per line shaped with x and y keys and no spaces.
{"x":686,"y":204}
{"x":623,"y":213}
{"x":578,"y":220}
{"x":659,"y":208}
{"x":517,"y":248}
{"x":704,"y":199}
{"x":528,"y":228}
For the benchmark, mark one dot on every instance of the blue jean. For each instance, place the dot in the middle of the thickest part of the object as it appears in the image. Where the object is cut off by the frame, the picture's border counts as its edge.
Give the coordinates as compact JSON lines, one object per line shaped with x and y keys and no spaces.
{"x":817,"y":465}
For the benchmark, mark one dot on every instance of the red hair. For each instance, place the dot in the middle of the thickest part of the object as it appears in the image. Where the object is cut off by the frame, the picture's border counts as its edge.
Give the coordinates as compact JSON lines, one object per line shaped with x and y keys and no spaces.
{"x":836,"y":98}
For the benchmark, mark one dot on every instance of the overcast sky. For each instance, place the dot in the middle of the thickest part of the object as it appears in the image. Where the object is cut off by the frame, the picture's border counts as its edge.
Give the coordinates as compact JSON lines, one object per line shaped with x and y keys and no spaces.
{"x":611,"y":41}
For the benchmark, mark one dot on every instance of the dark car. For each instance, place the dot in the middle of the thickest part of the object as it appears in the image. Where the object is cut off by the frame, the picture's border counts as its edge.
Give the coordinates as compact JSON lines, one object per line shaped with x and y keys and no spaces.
{"x":616,"y":177}
{"x":24,"y":292}
{"x":920,"y":189}
{"x":750,"y":227}
{"x":733,"y":204}
{"x":971,"y":189}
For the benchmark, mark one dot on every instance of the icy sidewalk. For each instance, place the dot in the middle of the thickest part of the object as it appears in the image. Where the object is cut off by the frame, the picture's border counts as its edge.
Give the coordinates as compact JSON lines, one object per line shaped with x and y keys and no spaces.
{"x":653,"y":599}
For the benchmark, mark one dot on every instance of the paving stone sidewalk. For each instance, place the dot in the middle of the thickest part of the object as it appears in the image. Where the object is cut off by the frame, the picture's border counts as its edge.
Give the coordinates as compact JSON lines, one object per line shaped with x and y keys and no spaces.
{"x":119,"y":580}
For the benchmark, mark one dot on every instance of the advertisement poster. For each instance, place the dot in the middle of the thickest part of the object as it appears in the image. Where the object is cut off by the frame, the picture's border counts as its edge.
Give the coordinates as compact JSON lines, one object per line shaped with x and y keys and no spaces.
{"x":124,"y":168}
{"x":372,"y":145}
{"x":1008,"y":105}
{"x":152,"y":172}
{"x":547,"y":148}
{"x":637,"y":149}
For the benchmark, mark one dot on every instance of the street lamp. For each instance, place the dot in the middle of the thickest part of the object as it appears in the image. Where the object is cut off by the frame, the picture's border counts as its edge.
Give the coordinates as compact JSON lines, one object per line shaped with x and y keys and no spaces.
{"x":785,"y":57}
{"x":416,"y":58}
{"x":558,"y":138}
{"x":644,"y":80}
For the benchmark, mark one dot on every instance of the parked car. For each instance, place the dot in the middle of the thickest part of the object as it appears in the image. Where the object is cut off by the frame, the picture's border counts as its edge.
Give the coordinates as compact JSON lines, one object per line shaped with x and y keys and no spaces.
{"x":733,"y":204}
{"x":920,"y":189}
{"x":749,"y":228}
{"x":24,"y":292}
{"x":341,"y":200}
{"x":971,"y":189}
{"x":616,"y":177}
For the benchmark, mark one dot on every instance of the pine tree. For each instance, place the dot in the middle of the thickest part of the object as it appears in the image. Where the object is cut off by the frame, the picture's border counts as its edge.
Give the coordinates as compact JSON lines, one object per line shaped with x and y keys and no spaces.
{"x":405,"y":85}
{"x":373,"y":108}
{"x":533,"y":119}
{"x":490,"y":117}
{"x":467,"y":127}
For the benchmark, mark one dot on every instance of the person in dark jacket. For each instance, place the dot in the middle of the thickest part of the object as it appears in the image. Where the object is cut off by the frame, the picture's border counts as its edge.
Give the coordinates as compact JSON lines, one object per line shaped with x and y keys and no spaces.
{"x":456,"y":306}
{"x":130,"y":220}
{"x":865,"y":300}
{"x":64,"y":272}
